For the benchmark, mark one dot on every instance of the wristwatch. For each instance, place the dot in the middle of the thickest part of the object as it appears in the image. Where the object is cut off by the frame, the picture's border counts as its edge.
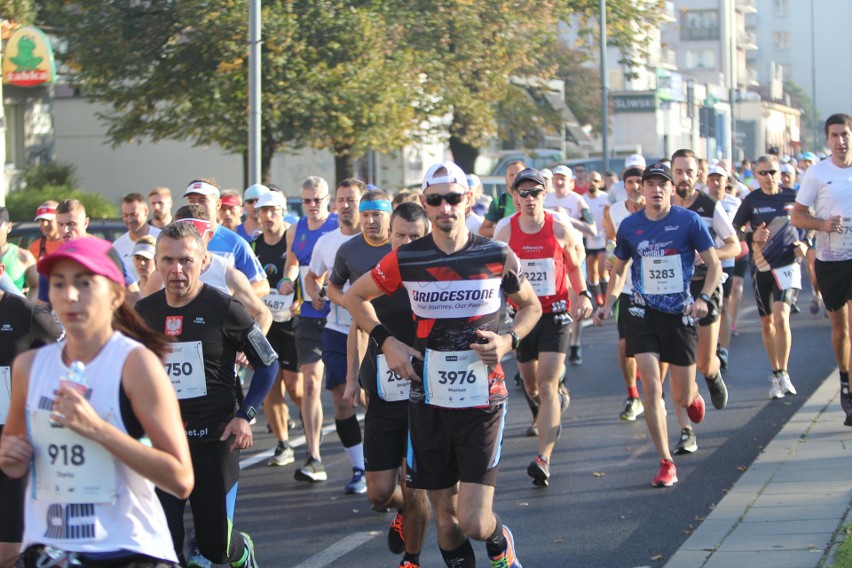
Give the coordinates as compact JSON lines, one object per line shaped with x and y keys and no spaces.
{"x":587,"y":294}
{"x":248,"y":414}
{"x":704,"y":297}
{"x":515,"y":339}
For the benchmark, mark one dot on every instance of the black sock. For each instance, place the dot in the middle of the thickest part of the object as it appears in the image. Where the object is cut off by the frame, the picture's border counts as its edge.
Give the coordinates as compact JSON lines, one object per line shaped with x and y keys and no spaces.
{"x":462,"y":557}
{"x":496,"y":543}
{"x":844,"y":377}
{"x":574,"y":349}
{"x":413,"y":557}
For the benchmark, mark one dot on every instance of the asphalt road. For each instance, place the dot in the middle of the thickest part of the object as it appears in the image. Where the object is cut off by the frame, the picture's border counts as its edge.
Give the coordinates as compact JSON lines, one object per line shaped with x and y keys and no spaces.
{"x":600,"y":510}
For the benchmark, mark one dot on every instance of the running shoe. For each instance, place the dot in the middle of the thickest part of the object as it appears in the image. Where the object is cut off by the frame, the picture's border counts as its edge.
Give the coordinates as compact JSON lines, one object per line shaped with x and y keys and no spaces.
{"x":250,"y":561}
{"x":845,"y":398}
{"x":519,"y":382}
{"x":576,"y":356}
{"x":532,"y":431}
{"x":787,"y":384}
{"x":507,"y":558}
{"x":695,"y":411}
{"x":358,"y":484}
{"x":734,"y":331}
{"x":794,"y":308}
{"x":564,"y":399}
{"x":718,"y":391}
{"x":777,"y":389}
{"x":722,"y":354}
{"x":848,"y":421}
{"x":667,"y":476}
{"x":312,"y":471}
{"x":632,"y":408}
{"x":283,"y":455}
{"x":408,"y":564}
{"x":396,"y":538}
{"x":688,"y":442}
{"x":539,"y":470}
{"x":194,"y":558}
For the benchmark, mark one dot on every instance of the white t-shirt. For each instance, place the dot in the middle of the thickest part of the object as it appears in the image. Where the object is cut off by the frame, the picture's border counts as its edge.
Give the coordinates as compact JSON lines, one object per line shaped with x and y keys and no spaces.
{"x":618,"y":212}
{"x":322,"y":261}
{"x":473,"y":222}
{"x":828,"y":190}
{"x":596,"y":205}
{"x":573,"y":204}
{"x":617,"y":192}
{"x":123,"y":245}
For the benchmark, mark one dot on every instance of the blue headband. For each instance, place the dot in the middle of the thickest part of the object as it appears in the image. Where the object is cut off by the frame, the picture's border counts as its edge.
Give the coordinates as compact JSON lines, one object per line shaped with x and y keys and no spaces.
{"x":378,"y":205}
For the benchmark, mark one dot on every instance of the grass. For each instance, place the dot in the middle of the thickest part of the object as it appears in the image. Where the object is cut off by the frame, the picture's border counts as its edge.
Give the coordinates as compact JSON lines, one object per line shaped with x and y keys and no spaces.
{"x":843,"y":559}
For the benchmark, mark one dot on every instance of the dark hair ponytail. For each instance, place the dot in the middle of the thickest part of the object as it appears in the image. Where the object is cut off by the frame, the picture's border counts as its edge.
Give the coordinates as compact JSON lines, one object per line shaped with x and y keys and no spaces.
{"x":129,"y":323}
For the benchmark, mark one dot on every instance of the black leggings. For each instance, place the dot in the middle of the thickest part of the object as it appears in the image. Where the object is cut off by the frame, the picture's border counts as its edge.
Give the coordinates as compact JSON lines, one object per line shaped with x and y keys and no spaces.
{"x":217,"y":475}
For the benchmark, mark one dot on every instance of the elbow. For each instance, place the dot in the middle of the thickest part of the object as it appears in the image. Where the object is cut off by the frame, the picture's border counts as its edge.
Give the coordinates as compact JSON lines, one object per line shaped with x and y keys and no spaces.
{"x":183,"y":483}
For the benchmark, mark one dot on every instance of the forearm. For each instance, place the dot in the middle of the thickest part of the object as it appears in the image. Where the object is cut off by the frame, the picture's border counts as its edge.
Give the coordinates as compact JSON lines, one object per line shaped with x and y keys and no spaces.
{"x":730,"y":249}
{"x":804,"y":220}
{"x":260,"y":287}
{"x":711,"y":280}
{"x":335,"y":294}
{"x":312,"y":285}
{"x":356,"y":346}
{"x":261,"y":382}
{"x":525,"y":318}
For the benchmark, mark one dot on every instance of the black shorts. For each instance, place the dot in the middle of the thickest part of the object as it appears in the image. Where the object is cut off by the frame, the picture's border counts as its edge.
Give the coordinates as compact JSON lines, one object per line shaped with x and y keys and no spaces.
{"x":385,"y":434}
{"x":714,"y":308}
{"x":452,"y":445}
{"x":309,"y":339}
{"x":766,"y":291}
{"x":835,"y":282}
{"x":12,"y":497}
{"x":593,"y":252}
{"x":728,"y":286}
{"x":740,"y":266}
{"x":621,"y":306}
{"x":545,"y":337}
{"x":282,"y":337}
{"x":652,"y":331}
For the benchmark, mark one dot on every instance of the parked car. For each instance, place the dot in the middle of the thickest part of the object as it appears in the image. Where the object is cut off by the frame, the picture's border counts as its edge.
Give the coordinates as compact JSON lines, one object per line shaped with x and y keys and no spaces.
{"x":24,"y":233}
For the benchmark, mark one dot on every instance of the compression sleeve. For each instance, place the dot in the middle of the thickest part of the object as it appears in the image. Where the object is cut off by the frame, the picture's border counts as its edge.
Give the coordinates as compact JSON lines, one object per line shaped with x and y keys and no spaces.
{"x":261,"y":382}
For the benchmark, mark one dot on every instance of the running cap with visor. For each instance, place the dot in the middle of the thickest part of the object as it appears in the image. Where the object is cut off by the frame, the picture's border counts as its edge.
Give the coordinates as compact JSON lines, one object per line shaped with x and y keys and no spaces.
{"x":96,"y":255}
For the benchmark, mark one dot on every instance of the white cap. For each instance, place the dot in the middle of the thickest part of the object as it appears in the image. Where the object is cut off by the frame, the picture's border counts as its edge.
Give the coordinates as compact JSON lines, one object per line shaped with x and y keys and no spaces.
{"x":546,"y":173}
{"x":144,"y":249}
{"x":201,"y":188}
{"x":717,"y":171}
{"x":473,"y":180}
{"x":271,"y":199}
{"x":634,"y":161}
{"x":563,"y":171}
{"x":454,"y":175}
{"x":787,"y":169}
{"x":255,"y":191}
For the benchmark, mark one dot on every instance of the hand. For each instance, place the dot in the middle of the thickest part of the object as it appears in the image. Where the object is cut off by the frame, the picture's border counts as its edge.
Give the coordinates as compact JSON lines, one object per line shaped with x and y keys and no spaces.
{"x":761,"y":234}
{"x":493,"y":346}
{"x":352,"y":392}
{"x":835,"y":224}
{"x":73,"y":411}
{"x":601,"y":314}
{"x":16,"y":453}
{"x":318,"y":303}
{"x":242,"y":360}
{"x":241,"y":431}
{"x":398,"y":356}
{"x":698,"y":310}
{"x":800,"y":249}
{"x":286,"y":287}
{"x":583,"y":309}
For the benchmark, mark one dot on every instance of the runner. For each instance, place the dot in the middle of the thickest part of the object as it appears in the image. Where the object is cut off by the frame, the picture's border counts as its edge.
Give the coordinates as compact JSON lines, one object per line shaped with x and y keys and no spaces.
{"x":503,"y":206}
{"x":336,"y":330}
{"x":685,"y":169}
{"x":826,"y":188}
{"x":210,"y":328}
{"x":456,"y":416}
{"x":252,"y":226}
{"x":386,"y":420}
{"x":160,"y":204}
{"x":776,"y":271}
{"x":598,"y":277}
{"x":661,"y":241}
{"x":311,"y":321}
{"x":49,"y":240}
{"x":546,"y":248}
{"x":95,"y":504}
{"x":134,"y":214}
{"x":143,"y":259}
{"x":25,"y":325}
{"x":20,"y":262}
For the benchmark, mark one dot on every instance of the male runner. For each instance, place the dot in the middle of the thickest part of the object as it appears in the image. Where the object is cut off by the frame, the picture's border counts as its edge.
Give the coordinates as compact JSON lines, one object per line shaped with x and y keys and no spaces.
{"x":49,"y":240}
{"x":661,"y":242}
{"x":386,"y":420}
{"x":776,"y":270}
{"x":458,"y":395}
{"x":827,"y":187}
{"x":546,"y":248}
{"x":209,"y":328}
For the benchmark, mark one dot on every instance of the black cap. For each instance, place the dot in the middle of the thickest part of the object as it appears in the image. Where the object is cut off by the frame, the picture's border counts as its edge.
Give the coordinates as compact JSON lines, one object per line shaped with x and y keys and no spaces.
{"x":658,"y":169}
{"x":631,"y":172}
{"x":529,"y":174}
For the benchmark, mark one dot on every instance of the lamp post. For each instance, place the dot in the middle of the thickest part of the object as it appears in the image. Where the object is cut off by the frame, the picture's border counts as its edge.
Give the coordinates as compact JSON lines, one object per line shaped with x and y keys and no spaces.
{"x":604,"y":91}
{"x":254,"y":148}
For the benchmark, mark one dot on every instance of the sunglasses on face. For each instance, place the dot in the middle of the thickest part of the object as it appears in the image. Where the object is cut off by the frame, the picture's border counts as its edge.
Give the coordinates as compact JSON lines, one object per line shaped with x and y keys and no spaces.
{"x":768,"y":172}
{"x":435,"y":199}
{"x":315,"y":201}
{"x":250,"y":201}
{"x":524,"y":193}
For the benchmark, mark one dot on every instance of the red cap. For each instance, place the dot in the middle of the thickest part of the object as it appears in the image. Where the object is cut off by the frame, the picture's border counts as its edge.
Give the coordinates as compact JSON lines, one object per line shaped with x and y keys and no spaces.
{"x":231,"y":200}
{"x":93,"y":253}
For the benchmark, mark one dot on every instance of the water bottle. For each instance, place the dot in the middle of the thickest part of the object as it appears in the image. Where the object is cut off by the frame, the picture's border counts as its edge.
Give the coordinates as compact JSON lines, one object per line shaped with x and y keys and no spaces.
{"x":76,"y":379}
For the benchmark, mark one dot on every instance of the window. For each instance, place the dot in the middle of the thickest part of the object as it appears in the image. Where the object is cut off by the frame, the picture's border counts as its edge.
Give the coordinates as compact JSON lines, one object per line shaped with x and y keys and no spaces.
{"x":700,"y":25}
{"x":700,"y":59}
{"x":780,"y":7}
{"x":781,"y":40}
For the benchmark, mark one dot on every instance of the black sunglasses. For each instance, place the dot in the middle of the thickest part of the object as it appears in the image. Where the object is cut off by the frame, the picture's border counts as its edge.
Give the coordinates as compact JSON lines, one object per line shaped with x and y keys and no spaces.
{"x":768,"y":172}
{"x":315,"y":201}
{"x":435,"y":199}
{"x":524,"y":193}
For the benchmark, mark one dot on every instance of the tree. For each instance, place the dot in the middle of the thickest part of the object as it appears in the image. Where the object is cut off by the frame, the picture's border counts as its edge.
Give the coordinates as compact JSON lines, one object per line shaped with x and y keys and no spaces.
{"x":800,"y":99}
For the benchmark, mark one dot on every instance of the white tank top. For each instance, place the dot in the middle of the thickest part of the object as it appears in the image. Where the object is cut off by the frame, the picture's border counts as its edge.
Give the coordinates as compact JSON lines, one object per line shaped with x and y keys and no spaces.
{"x":215,"y":275}
{"x":618,"y":212}
{"x":133,"y":520}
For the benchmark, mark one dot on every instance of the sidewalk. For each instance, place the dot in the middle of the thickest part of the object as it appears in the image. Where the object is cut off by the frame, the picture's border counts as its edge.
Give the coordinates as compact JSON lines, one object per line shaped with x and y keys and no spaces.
{"x":788,"y":508}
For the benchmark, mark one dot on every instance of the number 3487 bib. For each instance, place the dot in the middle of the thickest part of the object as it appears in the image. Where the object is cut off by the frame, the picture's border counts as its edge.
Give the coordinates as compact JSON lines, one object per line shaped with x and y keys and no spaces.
{"x":455,"y":379}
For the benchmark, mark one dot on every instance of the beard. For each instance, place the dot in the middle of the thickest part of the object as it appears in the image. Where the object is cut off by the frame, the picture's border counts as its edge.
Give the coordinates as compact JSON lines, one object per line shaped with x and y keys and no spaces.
{"x":683,"y":191}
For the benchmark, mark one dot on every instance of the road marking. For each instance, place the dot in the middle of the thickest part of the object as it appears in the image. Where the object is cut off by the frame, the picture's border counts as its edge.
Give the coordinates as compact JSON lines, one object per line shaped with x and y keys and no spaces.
{"x":296,"y":442}
{"x":340,"y":548}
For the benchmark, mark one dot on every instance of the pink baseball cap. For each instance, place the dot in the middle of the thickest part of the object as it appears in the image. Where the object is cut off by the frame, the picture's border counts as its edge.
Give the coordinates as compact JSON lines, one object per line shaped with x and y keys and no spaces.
{"x":97,"y":255}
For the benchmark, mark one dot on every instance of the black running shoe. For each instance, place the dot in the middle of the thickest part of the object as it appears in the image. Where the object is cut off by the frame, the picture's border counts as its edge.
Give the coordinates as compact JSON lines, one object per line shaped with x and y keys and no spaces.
{"x":539,"y":470}
{"x":718,"y":391}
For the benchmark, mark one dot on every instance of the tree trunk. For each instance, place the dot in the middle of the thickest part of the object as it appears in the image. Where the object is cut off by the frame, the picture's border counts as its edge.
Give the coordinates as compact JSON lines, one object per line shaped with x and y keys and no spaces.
{"x":344,"y":167}
{"x":463,"y":154}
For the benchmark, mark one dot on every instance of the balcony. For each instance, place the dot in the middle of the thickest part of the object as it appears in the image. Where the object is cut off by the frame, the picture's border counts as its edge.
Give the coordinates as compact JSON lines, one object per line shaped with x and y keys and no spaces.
{"x":746,"y":6}
{"x":668,"y":12}
{"x":668,"y":58}
{"x":747,"y":40}
{"x":699,"y":33}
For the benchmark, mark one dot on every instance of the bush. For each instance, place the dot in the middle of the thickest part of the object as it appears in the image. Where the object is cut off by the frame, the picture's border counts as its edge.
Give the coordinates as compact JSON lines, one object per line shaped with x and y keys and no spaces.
{"x":51,"y":173}
{"x":22,"y":203}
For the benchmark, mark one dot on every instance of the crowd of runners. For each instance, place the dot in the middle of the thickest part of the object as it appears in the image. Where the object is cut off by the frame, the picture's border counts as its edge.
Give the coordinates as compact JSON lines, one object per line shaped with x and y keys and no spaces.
{"x":131,"y":372}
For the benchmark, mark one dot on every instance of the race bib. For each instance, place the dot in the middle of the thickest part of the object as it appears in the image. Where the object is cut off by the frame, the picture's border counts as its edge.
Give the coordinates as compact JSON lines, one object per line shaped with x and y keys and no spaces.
{"x":392,"y":387}
{"x":279,"y":305}
{"x":303,"y":274}
{"x":789,"y":276}
{"x":662,"y":274}
{"x":68,"y":468}
{"x":5,"y":393}
{"x":185,"y":368}
{"x":341,"y":315}
{"x":541,"y":274}
{"x":843,"y":239}
{"x":455,"y":379}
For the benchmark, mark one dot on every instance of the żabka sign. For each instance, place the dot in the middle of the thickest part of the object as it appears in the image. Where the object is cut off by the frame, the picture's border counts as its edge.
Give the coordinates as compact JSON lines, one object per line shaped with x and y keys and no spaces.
{"x":28,"y":61}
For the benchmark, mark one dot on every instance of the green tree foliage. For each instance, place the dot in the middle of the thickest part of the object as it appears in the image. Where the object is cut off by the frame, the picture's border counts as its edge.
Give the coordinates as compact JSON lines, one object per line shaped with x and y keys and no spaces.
{"x":20,"y":11}
{"x":800,"y":99}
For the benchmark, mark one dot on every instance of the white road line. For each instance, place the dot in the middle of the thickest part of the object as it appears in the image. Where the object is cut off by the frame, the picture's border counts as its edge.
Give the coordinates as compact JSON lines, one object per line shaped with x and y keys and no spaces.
{"x":295,"y":442}
{"x":340,"y":548}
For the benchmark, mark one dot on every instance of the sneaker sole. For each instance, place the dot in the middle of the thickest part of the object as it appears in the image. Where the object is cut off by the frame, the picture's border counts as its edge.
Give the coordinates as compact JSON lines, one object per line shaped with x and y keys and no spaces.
{"x":359,"y":491}
{"x":278,"y":462}
{"x":848,"y":421}
{"x":539,"y":477}
{"x":661,"y":484}
{"x":682,"y":451}
{"x":317,"y":478}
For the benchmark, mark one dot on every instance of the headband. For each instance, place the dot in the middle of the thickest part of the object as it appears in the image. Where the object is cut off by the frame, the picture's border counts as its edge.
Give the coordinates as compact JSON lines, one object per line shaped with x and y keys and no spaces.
{"x":377,"y":205}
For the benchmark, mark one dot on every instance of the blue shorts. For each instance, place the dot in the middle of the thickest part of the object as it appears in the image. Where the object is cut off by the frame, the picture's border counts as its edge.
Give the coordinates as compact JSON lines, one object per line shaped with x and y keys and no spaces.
{"x":334,"y":356}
